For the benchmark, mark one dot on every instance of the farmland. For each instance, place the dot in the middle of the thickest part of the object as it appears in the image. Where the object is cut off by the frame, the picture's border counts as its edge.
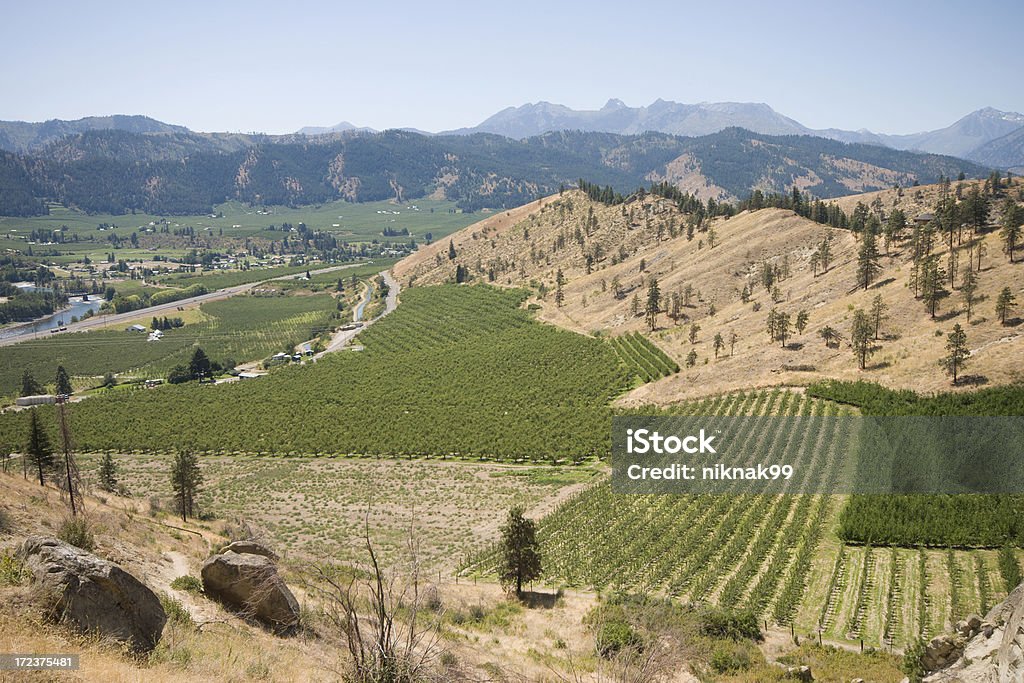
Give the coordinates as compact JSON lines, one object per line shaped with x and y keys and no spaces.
{"x":350,"y":222}
{"x":779,"y":555}
{"x":640,"y":355}
{"x":406,"y":394}
{"x":241,"y":328}
{"x":318,"y":506}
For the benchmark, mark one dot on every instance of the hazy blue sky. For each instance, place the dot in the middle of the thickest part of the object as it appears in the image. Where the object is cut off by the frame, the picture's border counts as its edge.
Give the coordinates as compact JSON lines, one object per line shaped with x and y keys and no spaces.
{"x":893,"y":67}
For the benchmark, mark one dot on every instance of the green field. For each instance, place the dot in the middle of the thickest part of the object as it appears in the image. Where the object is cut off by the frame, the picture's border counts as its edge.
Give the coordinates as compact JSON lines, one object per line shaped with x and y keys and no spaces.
{"x":454,"y":371}
{"x":778,"y":555}
{"x":349,"y":222}
{"x":241,"y":328}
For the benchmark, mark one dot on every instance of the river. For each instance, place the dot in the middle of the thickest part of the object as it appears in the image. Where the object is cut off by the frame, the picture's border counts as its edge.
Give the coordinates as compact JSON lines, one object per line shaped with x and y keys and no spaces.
{"x":76,"y":307}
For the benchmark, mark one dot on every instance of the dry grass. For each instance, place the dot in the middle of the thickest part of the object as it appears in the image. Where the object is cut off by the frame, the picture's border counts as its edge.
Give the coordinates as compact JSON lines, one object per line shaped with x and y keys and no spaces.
{"x":910,"y":348}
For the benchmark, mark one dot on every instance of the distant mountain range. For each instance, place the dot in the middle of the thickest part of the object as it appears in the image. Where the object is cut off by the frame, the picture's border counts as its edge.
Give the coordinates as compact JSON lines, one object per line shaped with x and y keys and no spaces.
{"x":181,"y":173}
{"x":977,"y":136}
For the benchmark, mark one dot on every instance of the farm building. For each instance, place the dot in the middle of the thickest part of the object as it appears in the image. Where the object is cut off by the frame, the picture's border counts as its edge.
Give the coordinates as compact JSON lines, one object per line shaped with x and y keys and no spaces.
{"x":41,"y":399}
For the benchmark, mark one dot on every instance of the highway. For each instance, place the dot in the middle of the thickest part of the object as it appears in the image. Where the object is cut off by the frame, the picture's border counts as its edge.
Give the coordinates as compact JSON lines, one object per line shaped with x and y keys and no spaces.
{"x":104,"y":320}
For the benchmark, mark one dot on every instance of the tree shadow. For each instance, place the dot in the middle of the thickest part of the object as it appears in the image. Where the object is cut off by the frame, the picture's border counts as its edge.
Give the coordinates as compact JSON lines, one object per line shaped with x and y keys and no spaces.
{"x":1013,"y":322}
{"x":794,"y":346}
{"x":971,"y":380}
{"x":882,"y":283}
{"x":881,"y":365}
{"x":538,"y":599}
{"x":948,"y":315}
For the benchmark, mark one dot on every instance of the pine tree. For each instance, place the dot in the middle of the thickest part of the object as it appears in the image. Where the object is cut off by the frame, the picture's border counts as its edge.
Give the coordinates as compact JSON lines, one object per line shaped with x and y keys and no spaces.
{"x":559,"y":293}
{"x":653,"y":304}
{"x":186,"y":480}
{"x":1013,"y":216}
{"x":861,"y":337}
{"x":1004,"y":304}
{"x":521,"y":560}
{"x":38,"y":451}
{"x":108,"y":473}
{"x":29,"y":385}
{"x":867,"y":260}
{"x":199,"y":366}
{"x":782,"y":324}
{"x":969,"y":290}
{"x":733,"y":338}
{"x":956,"y":352}
{"x":878,"y":309}
{"x":694,"y":329}
{"x":718,"y":344}
{"x":932,"y":276}
{"x":63,"y":382}
{"x":451,"y":250}
{"x":802,"y":318}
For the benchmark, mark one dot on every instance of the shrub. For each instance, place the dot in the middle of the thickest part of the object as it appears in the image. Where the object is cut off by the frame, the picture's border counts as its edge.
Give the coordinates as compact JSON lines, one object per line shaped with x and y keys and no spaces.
{"x":187,"y":583}
{"x":723,"y":623}
{"x":730,"y":658}
{"x":12,"y":570}
{"x":912,"y":665}
{"x":77,"y":532}
{"x":6,"y":523}
{"x":176,"y":612}
{"x":614,"y":636}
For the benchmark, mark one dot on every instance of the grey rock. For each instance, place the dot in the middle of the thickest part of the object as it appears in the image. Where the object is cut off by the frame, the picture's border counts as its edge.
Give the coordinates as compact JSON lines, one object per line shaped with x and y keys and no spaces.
{"x":800,"y":673}
{"x":94,"y":595}
{"x":251,"y":584}
{"x":250,"y":548}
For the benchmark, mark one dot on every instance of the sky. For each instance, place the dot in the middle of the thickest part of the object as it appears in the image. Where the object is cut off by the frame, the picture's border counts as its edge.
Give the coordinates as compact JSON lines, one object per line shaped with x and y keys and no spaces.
{"x":274,"y":67}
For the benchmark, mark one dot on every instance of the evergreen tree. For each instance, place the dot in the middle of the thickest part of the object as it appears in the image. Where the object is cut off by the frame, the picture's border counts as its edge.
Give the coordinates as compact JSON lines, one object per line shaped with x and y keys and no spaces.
{"x":653,"y":304}
{"x":733,"y":338}
{"x":108,"y":473}
{"x":199,"y":366}
{"x":802,"y":318}
{"x":186,"y":480}
{"x":861,"y":337}
{"x":782,"y":324}
{"x":829,"y":335}
{"x":694,"y":329}
{"x":29,"y":385}
{"x":451,"y":250}
{"x":969,"y":290}
{"x":559,"y":293}
{"x":691,"y":358}
{"x":878,"y":309}
{"x":520,"y":551}
{"x":1013,"y":217}
{"x":956,"y":352}
{"x":932,"y":277}
{"x":718,"y":344}
{"x":867,"y":260}
{"x":63,"y":381}
{"x":1004,"y":304}
{"x":38,"y":450}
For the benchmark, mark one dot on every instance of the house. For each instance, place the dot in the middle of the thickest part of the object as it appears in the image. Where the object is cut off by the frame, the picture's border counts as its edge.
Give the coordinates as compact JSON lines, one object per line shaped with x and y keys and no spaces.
{"x":924,"y":218}
{"x":150,"y":383}
{"x":135,"y":328}
{"x":249,"y":375}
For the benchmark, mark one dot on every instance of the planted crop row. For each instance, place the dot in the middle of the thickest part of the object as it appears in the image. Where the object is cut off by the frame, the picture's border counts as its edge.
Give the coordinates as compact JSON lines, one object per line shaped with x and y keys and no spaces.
{"x":642,"y":357}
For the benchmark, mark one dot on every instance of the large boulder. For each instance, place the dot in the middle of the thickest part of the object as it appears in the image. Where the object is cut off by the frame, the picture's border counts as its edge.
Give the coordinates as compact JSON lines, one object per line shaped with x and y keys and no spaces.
{"x":249,"y":548}
{"x":995,"y":651}
{"x":251,"y":584}
{"x":94,"y":595}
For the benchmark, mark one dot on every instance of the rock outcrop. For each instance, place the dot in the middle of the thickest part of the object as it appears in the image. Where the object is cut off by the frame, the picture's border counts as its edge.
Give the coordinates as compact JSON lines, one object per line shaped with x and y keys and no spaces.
{"x":94,"y":595}
{"x":990,"y":650}
{"x":250,"y":583}
{"x":249,"y":548}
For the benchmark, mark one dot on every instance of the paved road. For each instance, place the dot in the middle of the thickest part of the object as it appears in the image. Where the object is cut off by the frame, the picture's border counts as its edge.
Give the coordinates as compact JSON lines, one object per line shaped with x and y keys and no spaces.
{"x":343,"y":337}
{"x":103,"y":320}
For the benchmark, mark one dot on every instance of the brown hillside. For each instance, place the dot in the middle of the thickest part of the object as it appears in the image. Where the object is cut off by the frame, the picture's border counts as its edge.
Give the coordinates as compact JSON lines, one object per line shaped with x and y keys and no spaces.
{"x":560,"y":232}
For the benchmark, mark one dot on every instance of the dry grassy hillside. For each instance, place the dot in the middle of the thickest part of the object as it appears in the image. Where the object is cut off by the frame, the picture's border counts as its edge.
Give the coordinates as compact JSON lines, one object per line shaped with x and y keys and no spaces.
{"x":634,"y":242}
